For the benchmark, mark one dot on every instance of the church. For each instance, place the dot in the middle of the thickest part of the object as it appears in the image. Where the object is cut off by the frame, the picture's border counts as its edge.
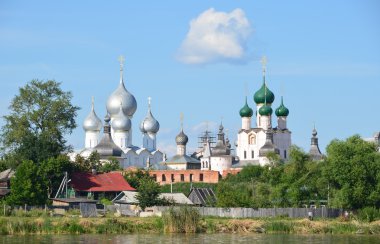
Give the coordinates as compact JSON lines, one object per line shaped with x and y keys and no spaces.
{"x":116,"y":140}
{"x":255,"y":143}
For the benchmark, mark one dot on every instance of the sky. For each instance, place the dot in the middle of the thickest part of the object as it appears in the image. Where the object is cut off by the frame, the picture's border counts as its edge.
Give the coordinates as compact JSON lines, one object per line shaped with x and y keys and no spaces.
{"x":201,"y":58}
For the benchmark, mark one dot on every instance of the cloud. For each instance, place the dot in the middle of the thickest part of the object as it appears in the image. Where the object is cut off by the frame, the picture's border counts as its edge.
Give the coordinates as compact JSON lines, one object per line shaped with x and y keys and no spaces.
{"x":216,"y":37}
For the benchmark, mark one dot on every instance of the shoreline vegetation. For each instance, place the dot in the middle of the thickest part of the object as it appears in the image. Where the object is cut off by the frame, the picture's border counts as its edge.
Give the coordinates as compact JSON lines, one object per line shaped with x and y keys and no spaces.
{"x":126,"y":225}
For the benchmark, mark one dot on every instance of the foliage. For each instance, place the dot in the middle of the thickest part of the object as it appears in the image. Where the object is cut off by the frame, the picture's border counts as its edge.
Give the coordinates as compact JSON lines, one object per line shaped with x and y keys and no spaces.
{"x":112,"y":165}
{"x":89,"y":163}
{"x":40,"y":116}
{"x":353,"y":169}
{"x":27,"y":187}
{"x":134,"y":177}
{"x":369,"y":214}
{"x":181,"y":220}
{"x":185,"y":187}
{"x":148,"y":192}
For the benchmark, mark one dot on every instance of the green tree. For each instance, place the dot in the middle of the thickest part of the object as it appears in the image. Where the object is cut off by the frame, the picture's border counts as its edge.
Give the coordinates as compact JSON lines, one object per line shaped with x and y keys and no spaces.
{"x":134,"y":177}
{"x":27,"y":187}
{"x":112,"y":165}
{"x":40,"y":116}
{"x":148,"y":192}
{"x":51,"y":171}
{"x":353,"y":168}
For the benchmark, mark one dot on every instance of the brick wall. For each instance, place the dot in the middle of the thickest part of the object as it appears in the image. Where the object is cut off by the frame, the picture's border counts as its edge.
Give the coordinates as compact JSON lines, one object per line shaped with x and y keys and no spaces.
{"x":167,"y":176}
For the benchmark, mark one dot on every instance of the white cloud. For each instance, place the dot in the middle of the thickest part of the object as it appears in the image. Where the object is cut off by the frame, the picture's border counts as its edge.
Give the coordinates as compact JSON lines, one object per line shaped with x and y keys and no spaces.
{"x":215,"y":37}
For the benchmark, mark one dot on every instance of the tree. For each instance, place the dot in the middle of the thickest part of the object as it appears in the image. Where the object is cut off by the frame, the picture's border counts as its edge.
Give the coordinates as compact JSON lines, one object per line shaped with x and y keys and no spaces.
{"x":134,"y":177}
{"x":26,"y":186}
{"x":51,"y":171}
{"x":353,"y":169}
{"x":40,"y":116}
{"x":112,"y":165}
{"x":148,"y":192}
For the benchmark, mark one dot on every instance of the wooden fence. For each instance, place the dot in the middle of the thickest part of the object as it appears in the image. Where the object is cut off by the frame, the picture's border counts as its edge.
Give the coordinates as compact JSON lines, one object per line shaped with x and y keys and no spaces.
{"x":264,"y":212}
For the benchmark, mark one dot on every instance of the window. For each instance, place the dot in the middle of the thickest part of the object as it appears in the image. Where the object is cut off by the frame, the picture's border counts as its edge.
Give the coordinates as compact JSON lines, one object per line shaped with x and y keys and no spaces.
{"x":200,"y":177}
{"x":172,"y":177}
{"x":163,"y":177}
{"x":252,"y":154}
{"x":191,"y":177}
{"x":245,"y":154}
{"x":155,"y":177}
{"x":182,"y":177}
{"x":284,"y":153}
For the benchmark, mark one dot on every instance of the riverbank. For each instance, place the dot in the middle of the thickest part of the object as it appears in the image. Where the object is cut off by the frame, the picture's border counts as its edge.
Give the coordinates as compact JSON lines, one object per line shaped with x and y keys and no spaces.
{"x":126,"y":225}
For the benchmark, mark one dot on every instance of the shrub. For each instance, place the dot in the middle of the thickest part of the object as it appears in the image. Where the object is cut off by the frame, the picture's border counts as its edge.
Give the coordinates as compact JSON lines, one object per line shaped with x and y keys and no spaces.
{"x":369,"y":214}
{"x":181,"y":220}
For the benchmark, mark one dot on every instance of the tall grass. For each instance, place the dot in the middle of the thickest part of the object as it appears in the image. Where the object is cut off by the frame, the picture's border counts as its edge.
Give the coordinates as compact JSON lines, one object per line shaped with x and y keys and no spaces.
{"x":181,"y":220}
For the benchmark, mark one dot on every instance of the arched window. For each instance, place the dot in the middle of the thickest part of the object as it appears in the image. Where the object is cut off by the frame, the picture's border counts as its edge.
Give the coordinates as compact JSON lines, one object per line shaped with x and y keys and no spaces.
{"x":245,"y":154}
{"x":252,"y":139}
{"x":163,"y":177}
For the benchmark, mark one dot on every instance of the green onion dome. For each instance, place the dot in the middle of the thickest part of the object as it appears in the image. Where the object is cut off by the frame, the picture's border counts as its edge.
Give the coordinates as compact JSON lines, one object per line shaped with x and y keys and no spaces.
{"x":265,"y":110}
{"x":246,"y":111}
{"x":262,"y":94}
{"x":282,"y":111}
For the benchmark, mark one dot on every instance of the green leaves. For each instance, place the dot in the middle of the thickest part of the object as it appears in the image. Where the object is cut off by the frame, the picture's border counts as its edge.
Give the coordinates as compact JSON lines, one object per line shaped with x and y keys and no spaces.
{"x":148,"y":192}
{"x":40,"y":116}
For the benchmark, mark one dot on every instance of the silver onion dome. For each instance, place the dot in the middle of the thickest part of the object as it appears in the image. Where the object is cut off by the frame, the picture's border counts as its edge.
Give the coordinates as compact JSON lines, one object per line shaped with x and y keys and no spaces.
{"x":121,"y":94}
{"x":92,"y":121}
{"x":181,"y":138}
{"x":121,"y":122}
{"x":149,"y":123}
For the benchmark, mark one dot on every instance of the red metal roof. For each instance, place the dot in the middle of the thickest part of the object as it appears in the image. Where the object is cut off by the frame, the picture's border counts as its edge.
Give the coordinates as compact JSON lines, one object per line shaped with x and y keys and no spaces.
{"x":112,"y":181}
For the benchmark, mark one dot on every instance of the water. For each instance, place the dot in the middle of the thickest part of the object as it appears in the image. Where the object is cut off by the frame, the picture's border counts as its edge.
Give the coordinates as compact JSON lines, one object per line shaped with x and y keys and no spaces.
{"x":193,"y":238}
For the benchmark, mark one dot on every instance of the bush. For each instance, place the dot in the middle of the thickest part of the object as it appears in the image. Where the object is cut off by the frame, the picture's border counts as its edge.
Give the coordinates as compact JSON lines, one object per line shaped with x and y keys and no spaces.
{"x":181,"y":220}
{"x":369,"y":214}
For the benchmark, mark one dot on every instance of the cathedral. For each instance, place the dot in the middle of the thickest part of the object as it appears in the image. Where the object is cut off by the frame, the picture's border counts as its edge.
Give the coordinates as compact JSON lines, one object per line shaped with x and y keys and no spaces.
{"x":254,"y":143}
{"x":116,"y":140}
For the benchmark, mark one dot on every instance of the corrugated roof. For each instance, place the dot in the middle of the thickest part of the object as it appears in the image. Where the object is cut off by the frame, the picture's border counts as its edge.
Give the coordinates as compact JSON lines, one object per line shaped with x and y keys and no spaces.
{"x":178,"y":198}
{"x":112,"y":181}
{"x":6,"y":174}
{"x":204,"y":196}
{"x":182,"y":159}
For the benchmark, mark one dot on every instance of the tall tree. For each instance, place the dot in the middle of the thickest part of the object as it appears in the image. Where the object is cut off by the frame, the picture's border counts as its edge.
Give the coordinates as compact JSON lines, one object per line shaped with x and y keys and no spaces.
{"x":353,"y":169}
{"x":40,"y":116}
{"x":148,"y":192}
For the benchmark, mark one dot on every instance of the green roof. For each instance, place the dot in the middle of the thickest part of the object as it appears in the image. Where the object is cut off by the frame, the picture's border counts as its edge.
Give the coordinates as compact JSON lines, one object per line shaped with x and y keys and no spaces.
{"x":246,"y":111}
{"x":264,"y":95}
{"x":282,"y":111}
{"x":265,"y":110}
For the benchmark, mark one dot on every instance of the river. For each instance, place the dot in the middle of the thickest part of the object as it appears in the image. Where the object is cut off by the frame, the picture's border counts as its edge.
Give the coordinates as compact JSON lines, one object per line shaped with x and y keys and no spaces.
{"x":193,"y":238}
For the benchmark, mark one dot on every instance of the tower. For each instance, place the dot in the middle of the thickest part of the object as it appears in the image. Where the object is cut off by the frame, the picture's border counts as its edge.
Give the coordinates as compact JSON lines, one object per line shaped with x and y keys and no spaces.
{"x":121,"y":126}
{"x":315,"y":153}
{"x":149,"y":127}
{"x":181,"y":140}
{"x":128,"y":101}
{"x":246,"y":116}
{"x":92,"y":126}
{"x":282,"y":113}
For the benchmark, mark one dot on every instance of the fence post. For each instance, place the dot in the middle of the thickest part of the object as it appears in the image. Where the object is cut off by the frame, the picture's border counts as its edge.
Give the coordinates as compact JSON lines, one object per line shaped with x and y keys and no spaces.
{"x":45,"y":208}
{"x":25,"y":208}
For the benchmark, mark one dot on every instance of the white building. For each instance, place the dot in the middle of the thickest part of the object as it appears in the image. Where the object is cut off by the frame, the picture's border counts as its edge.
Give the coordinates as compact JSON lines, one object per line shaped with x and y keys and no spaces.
{"x":117,"y":139}
{"x":254,"y":143}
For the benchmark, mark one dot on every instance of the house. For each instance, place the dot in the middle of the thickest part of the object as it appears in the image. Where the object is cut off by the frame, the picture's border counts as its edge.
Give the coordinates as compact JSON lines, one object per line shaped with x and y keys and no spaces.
{"x":202,"y":196}
{"x":71,"y":202}
{"x":5,"y":179}
{"x":93,"y":186}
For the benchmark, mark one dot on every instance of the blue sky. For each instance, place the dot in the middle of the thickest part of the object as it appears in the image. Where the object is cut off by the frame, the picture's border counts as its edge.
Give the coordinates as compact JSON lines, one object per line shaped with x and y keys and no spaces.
{"x":323,"y":56}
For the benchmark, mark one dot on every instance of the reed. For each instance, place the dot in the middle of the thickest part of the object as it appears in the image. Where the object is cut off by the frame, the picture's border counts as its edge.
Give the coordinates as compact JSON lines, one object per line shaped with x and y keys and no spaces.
{"x":181,"y":220}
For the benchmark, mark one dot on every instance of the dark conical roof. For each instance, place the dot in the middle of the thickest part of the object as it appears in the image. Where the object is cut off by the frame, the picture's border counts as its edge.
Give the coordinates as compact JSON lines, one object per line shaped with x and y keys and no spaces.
{"x":107,"y":147}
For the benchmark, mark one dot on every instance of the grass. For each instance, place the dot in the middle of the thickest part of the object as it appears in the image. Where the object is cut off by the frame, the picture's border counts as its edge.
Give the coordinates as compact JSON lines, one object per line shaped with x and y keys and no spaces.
{"x":176,"y":221}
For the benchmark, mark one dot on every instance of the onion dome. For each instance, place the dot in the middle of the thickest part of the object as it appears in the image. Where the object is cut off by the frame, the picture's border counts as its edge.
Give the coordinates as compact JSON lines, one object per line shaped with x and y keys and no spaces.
{"x":264,"y":94}
{"x":265,"y":110}
{"x":282,"y":111}
{"x":149,"y":124}
{"x":121,"y":122}
{"x":181,"y":138}
{"x":107,"y":147}
{"x":121,"y":94}
{"x":246,"y":111}
{"x":92,"y":121}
